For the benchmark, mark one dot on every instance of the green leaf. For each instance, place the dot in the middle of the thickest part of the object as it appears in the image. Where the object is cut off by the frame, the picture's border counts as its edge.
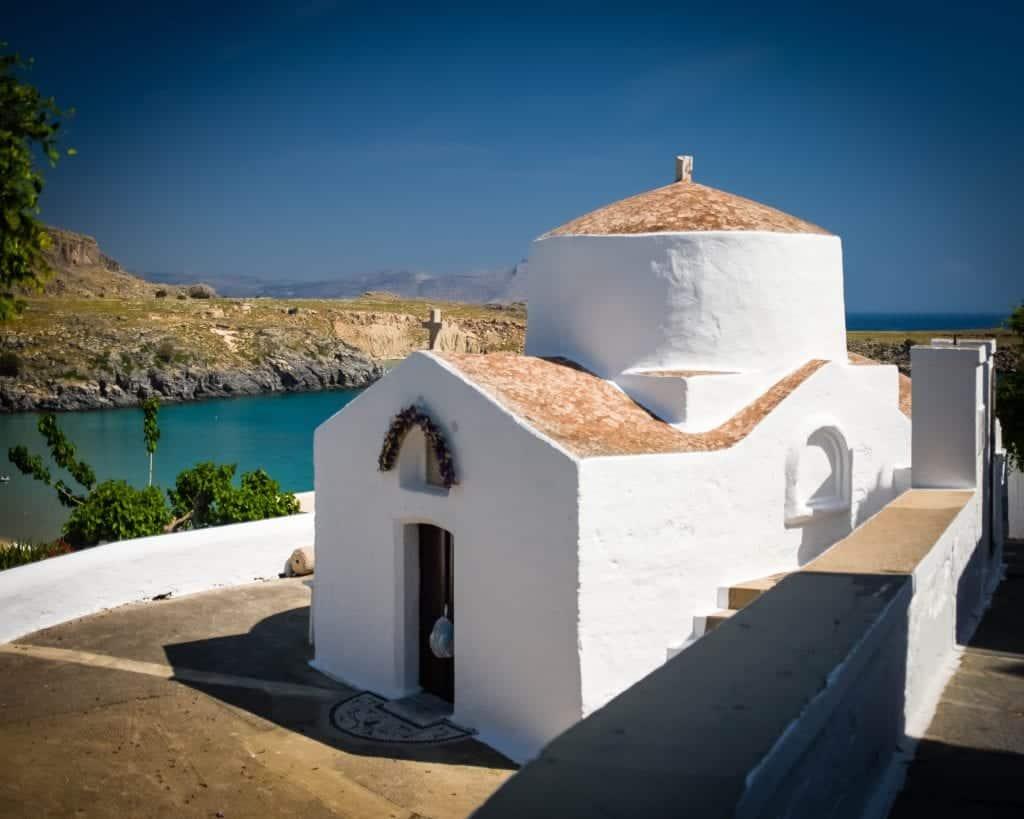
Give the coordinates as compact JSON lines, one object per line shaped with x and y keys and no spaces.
{"x":29,"y":124}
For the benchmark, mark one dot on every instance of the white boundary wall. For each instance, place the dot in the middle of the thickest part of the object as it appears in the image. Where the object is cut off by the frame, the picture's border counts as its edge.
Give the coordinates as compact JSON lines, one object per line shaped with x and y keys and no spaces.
{"x":43,"y":594}
{"x":885,"y":694}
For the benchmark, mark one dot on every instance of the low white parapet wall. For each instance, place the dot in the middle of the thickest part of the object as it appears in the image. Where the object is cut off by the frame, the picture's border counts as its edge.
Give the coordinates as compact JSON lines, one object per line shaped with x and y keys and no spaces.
{"x":52,"y":591}
{"x":846,"y":753}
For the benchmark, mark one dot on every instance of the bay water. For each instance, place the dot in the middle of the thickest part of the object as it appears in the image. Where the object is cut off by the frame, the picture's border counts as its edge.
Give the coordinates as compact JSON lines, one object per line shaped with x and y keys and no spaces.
{"x":273,"y":431}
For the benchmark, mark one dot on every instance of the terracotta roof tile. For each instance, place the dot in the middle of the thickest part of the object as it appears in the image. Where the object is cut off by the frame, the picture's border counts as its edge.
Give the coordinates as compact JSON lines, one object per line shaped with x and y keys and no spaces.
{"x":592,"y":417}
{"x":684,"y":206}
{"x":906,"y":401}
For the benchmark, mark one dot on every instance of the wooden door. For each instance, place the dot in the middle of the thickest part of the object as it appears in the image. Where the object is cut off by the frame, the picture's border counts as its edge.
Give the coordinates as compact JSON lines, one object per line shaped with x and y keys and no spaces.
{"x":437,"y":675}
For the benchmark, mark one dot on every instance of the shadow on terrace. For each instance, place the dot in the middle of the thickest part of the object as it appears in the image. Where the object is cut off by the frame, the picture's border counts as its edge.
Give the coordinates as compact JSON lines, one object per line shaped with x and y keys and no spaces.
{"x":276,"y":649}
{"x":971,"y":761}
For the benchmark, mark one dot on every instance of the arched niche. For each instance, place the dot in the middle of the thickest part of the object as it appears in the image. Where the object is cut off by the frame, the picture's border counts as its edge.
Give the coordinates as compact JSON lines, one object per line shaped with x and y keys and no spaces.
{"x":418,"y":447}
{"x":818,"y":474}
{"x":418,"y":466}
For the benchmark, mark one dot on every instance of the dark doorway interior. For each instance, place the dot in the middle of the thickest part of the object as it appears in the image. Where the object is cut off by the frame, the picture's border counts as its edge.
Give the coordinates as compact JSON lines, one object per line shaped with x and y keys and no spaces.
{"x":437,"y":675}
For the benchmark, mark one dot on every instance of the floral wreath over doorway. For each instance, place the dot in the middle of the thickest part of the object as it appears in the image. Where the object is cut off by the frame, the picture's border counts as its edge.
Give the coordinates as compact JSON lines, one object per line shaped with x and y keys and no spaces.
{"x":400,"y":426}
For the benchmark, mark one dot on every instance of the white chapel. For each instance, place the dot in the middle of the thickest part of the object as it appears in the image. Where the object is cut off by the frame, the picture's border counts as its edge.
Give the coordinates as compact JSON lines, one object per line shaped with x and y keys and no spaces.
{"x":525,"y":536}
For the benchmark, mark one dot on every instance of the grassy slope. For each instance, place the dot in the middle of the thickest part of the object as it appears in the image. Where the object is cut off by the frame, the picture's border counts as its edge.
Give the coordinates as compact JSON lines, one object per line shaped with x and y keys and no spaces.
{"x":1003,"y":337}
{"x":75,"y":337}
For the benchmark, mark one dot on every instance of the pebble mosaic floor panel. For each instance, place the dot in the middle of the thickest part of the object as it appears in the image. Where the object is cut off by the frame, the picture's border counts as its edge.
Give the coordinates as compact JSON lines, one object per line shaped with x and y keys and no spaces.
{"x":364,"y":716}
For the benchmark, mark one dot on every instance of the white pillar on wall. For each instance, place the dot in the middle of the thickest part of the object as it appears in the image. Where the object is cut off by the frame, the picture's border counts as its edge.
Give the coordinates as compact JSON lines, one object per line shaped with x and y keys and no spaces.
{"x":950,"y":424}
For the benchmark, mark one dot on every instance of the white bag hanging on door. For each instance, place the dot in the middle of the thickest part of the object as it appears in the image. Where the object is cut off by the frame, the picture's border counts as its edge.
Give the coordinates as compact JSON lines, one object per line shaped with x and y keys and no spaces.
{"x":442,"y":637}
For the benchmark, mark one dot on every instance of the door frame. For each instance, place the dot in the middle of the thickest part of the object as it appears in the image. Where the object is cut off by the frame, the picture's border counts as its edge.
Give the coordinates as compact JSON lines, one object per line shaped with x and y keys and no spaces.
{"x":407,"y":599}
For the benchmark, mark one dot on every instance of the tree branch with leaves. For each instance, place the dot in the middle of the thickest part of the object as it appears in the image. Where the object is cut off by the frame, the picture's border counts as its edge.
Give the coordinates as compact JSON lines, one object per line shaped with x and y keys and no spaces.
{"x":28,"y":121}
{"x":150,"y":429}
{"x":1010,"y":397}
{"x":204,"y":495}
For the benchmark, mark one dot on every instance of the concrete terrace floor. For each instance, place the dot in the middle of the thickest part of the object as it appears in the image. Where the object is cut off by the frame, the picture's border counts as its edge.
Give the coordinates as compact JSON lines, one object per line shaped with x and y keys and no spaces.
{"x":970,"y":763}
{"x":91,"y":723}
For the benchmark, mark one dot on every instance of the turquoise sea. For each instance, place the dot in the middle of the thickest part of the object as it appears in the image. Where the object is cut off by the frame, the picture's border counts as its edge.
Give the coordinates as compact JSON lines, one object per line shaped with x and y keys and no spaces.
{"x":274,"y":432}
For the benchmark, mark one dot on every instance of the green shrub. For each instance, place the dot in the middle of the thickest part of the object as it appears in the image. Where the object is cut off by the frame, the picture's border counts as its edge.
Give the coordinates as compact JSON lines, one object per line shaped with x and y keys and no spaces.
{"x":1010,"y":410}
{"x":166,"y":351}
{"x":10,"y":364}
{"x":1010,"y":398}
{"x":18,"y":554}
{"x":102,"y":361}
{"x":116,"y":511}
{"x":206,"y":496}
{"x":259,"y":498}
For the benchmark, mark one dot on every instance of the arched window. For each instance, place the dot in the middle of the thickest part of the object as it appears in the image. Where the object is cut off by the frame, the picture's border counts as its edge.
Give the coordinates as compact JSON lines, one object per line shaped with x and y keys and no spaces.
{"x":818,"y":470}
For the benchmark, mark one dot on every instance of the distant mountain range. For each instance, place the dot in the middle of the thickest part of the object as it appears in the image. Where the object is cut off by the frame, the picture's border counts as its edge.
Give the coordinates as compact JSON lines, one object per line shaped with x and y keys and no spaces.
{"x":480,"y":287}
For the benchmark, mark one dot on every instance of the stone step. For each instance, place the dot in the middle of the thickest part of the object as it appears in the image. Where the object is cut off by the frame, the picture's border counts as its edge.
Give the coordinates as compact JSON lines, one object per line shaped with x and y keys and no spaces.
{"x":707,"y":623}
{"x":732,"y":599}
{"x":740,"y":595}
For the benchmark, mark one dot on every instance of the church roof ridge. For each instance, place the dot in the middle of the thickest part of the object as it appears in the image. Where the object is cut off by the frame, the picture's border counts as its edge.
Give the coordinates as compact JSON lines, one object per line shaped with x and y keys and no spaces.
{"x":591,"y":417}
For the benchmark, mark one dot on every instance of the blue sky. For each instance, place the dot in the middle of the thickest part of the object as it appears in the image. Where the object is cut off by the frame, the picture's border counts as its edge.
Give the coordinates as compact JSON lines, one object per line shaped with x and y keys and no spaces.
{"x":316,"y":139}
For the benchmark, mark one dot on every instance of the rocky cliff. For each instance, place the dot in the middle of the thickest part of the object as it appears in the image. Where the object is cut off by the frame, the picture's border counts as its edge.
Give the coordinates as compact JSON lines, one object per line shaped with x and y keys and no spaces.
{"x":101,"y":337}
{"x":339,"y":368}
{"x":79,"y":268}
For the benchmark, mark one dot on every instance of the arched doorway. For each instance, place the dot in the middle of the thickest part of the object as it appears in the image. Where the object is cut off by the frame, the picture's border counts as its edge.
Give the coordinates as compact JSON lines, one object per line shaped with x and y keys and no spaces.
{"x":436,"y":600}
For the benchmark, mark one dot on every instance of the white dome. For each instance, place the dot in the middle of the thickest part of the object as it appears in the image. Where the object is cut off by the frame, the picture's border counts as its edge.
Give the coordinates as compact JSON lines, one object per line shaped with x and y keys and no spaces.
{"x":686,"y":278}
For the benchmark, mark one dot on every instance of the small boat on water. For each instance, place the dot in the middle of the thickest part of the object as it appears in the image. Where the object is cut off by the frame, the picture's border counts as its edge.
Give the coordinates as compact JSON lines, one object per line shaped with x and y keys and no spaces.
{"x":5,"y":478}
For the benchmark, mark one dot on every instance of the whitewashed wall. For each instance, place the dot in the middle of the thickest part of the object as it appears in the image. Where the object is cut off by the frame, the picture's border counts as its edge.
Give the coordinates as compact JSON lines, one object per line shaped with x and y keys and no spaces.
{"x":664,"y":532}
{"x":713,"y":300}
{"x":514,"y":521}
{"x":43,"y":594}
{"x":949,"y":425}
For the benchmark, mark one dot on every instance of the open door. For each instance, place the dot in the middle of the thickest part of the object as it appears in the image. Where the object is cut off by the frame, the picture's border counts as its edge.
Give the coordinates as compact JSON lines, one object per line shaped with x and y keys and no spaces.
{"x":437,"y":598}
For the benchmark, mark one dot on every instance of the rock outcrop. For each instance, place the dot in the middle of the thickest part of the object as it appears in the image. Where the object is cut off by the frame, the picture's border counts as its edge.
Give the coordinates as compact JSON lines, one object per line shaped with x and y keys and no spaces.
{"x":341,"y":367}
{"x":79,"y":269}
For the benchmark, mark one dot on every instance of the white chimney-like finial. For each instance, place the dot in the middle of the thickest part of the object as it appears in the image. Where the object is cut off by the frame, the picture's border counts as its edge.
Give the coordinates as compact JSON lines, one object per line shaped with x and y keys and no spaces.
{"x":684,"y":168}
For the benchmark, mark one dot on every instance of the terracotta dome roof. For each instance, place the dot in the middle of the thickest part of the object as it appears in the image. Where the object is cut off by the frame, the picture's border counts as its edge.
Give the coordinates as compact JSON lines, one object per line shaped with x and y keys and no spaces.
{"x":684,"y":206}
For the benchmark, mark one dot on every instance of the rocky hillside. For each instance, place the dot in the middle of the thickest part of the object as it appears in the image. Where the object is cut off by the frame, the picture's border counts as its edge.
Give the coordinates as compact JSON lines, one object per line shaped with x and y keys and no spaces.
{"x":894,"y":347}
{"x":100,"y":337}
{"x":81,"y":269}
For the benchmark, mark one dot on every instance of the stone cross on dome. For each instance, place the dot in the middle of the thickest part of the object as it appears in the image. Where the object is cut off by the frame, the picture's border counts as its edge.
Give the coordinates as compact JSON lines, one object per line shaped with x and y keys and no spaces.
{"x":684,"y":168}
